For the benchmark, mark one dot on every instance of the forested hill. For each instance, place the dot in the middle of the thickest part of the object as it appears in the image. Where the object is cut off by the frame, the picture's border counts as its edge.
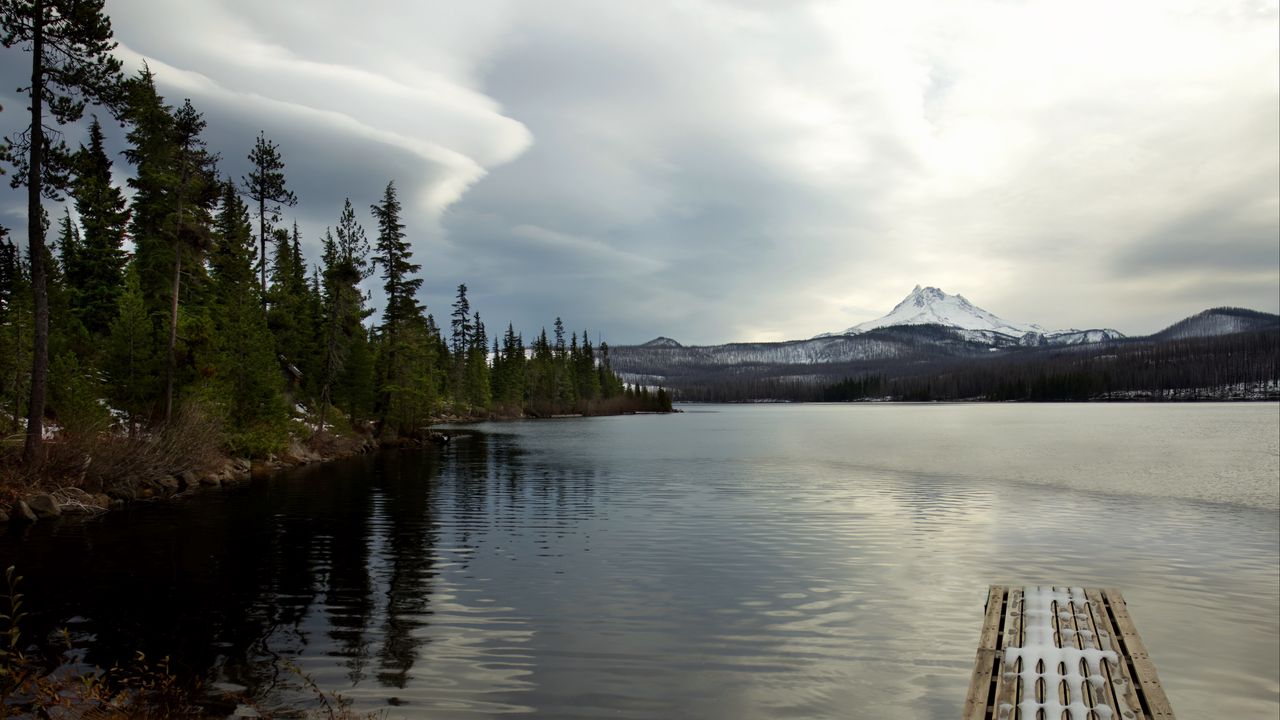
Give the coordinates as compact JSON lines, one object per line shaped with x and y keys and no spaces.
{"x":1220,"y":353}
{"x":188,"y":298}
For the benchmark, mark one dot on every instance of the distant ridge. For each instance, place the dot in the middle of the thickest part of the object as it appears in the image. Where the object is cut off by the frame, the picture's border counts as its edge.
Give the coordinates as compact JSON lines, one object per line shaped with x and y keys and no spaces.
{"x":930,"y":360}
{"x":1219,"y":321}
{"x":661,"y":342}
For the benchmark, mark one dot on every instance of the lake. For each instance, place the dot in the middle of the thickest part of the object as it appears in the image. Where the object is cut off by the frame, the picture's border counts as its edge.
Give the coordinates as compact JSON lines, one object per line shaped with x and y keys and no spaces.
{"x":750,"y":561}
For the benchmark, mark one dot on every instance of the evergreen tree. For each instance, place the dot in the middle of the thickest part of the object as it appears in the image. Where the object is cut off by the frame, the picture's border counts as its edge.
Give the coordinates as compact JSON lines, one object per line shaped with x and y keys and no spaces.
{"x":71,"y":65}
{"x":130,"y":364}
{"x":540,"y":388}
{"x":460,"y":338}
{"x":393,"y":254}
{"x":104,"y":217}
{"x":354,"y":388}
{"x":346,"y":265}
{"x":586,"y":380}
{"x":460,"y":323}
{"x":403,"y":330}
{"x":410,"y":385}
{"x":477,"y":368}
{"x":244,"y":366}
{"x":194,"y":193}
{"x":16,"y":324}
{"x":69,"y":247}
{"x":265,"y":186}
{"x":509,"y":371}
{"x":293,"y":315}
{"x":152,"y":152}
{"x":65,"y":275}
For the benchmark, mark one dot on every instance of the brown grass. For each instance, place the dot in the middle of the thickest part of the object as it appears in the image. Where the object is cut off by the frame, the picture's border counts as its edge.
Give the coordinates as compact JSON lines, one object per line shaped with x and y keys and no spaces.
{"x":98,"y":460}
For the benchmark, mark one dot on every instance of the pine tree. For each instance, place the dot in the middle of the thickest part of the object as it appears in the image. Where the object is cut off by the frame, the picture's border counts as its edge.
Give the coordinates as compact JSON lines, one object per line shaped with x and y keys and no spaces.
{"x":152,"y":153}
{"x":104,"y":217}
{"x":189,"y":229}
{"x":69,"y":246}
{"x":243,"y":363}
{"x":346,"y":265}
{"x":16,"y":322}
{"x":477,"y":368}
{"x":460,"y":323}
{"x":64,"y":275}
{"x":586,"y":379}
{"x":71,"y":65}
{"x":293,"y":315}
{"x":393,"y":254}
{"x":509,"y":371}
{"x":130,"y":361}
{"x":265,"y":186}
{"x":402,"y":329}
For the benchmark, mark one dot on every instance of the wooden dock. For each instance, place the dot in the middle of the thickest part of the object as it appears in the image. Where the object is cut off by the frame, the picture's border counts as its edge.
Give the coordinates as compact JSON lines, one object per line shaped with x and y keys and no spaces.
{"x":1062,"y":653}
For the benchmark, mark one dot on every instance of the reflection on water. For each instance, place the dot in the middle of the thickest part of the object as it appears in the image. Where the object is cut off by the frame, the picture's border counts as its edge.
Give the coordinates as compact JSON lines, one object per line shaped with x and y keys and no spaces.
{"x":730,"y":562}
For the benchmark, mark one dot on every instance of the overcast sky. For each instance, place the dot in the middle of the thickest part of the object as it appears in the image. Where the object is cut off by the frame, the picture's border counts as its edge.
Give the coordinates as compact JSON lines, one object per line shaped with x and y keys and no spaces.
{"x":756,"y":170}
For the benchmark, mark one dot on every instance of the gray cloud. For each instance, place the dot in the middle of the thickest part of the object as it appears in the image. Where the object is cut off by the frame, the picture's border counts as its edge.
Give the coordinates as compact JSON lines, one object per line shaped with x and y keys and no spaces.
{"x":719,"y":171}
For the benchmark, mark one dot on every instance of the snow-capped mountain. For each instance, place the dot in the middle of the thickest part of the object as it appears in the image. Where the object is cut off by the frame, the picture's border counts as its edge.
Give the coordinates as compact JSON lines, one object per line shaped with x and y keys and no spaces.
{"x":932,"y":306}
{"x":930,"y":332}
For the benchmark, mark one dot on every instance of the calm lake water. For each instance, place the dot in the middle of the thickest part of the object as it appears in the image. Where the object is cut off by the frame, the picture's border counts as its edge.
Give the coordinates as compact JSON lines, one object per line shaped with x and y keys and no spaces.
{"x":736,"y":562}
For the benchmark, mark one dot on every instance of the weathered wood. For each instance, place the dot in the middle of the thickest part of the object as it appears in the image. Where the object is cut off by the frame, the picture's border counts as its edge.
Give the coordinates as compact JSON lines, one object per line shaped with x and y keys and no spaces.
{"x":1151,"y":693}
{"x":991,"y":624}
{"x":982,"y":684}
{"x":1007,"y":685}
{"x":1078,"y":623}
{"x":978,"y":702}
{"x":1119,"y":680}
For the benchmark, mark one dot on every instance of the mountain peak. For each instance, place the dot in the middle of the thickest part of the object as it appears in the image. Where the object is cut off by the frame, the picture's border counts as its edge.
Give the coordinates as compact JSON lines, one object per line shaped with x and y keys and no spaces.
{"x":662,"y":342}
{"x":928,"y":305}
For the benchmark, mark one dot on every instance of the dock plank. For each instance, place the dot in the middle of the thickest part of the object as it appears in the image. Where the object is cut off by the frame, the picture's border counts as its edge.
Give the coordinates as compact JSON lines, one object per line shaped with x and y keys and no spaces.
{"x":1152,"y":696}
{"x":982,"y":684}
{"x":1083,"y":620}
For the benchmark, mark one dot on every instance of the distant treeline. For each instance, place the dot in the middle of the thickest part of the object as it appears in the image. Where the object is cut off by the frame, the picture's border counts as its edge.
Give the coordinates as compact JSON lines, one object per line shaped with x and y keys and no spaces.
{"x":1143,"y":368}
{"x":191,"y":291}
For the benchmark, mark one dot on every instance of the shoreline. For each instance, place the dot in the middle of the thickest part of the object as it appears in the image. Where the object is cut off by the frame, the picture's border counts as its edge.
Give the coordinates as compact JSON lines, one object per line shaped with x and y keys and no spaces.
{"x":22,"y":504}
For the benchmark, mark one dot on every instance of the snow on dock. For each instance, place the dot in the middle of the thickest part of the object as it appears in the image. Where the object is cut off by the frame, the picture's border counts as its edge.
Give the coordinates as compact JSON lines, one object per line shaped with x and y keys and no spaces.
{"x":1062,"y":653}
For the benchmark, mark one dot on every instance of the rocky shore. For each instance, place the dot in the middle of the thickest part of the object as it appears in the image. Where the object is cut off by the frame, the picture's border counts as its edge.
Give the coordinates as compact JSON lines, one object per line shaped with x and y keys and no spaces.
{"x":36,"y":505}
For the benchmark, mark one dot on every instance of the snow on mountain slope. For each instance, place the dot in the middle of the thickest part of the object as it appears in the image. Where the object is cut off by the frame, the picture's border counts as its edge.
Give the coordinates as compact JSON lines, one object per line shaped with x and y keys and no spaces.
{"x":931,"y":306}
{"x":661,"y":342}
{"x":1219,"y":321}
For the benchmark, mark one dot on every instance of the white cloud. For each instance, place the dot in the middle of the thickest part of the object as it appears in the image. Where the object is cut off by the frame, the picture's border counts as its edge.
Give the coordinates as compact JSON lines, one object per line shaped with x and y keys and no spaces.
{"x":715,"y":170}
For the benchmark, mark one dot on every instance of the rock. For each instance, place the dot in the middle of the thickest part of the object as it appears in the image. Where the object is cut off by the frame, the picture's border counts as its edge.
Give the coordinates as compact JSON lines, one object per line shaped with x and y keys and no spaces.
{"x":22,"y":513}
{"x":188,"y":479}
{"x":44,"y":506}
{"x":212,"y":479}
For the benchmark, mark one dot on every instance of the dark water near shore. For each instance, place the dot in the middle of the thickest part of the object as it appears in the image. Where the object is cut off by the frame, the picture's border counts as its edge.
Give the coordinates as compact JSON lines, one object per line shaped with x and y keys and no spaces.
{"x":728,"y":562}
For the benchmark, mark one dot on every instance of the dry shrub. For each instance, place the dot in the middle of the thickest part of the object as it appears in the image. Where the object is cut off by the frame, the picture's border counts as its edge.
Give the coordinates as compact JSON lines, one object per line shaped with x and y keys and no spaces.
{"x":102,"y":460}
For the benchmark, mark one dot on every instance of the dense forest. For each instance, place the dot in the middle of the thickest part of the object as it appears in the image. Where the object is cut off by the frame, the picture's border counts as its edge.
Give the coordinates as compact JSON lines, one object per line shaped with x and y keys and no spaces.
{"x":1244,"y":365}
{"x":190,"y":300}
